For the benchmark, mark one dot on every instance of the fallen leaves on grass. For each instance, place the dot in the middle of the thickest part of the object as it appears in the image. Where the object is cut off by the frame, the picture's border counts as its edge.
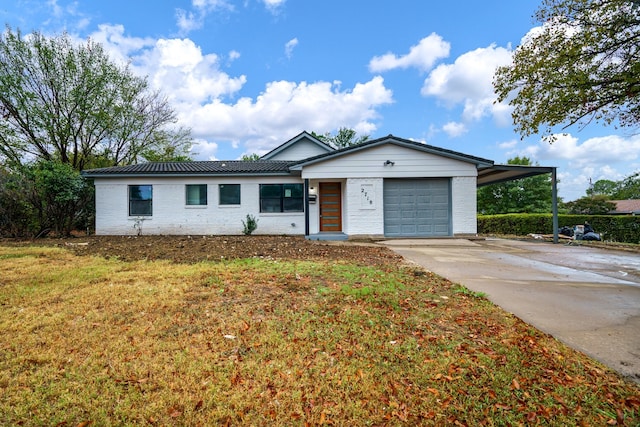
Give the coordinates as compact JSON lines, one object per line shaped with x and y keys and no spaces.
{"x":273,"y":341}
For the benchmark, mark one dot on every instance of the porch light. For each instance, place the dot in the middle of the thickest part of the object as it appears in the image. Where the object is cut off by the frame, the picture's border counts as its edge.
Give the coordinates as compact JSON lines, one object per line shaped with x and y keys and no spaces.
{"x":388,"y":162}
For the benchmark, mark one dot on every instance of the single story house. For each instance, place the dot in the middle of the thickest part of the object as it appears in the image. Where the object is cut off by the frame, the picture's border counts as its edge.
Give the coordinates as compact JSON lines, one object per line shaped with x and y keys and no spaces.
{"x":386,"y":187}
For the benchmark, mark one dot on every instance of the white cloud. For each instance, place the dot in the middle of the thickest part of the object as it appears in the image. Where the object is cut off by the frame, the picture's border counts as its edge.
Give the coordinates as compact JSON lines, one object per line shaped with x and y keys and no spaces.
{"x":600,"y":151}
{"x":55,"y":8}
{"x":83,"y":23}
{"x":188,"y":21}
{"x":508,"y":145}
{"x":177,"y":67}
{"x":610,"y":157}
{"x":72,"y":17}
{"x":119,"y":46}
{"x":454,"y":129}
{"x":286,"y":108}
{"x":204,"y":150}
{"x":573,"y":183}
{"x":274,"y":5}
{"x":211,"y":4}
{"x":468,"y":81}
{"x":199,"y":91}
{"x":192,"y":20}
{"x":185,"y":75}
{"x":288,"y":48}
{"x":422,"y":56}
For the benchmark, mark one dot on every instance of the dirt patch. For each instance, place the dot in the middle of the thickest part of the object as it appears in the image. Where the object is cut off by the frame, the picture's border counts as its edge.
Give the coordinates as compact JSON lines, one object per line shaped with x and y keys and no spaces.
{"x":192,"y":249}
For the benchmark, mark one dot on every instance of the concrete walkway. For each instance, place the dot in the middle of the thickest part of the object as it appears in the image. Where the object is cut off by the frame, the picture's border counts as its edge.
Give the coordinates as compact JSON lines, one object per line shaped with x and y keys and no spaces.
{"x":588,"y":298}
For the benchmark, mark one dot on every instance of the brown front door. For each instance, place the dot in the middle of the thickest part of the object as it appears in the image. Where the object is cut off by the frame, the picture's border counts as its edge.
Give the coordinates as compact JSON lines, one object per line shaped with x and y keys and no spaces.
{"x":330,"y":206}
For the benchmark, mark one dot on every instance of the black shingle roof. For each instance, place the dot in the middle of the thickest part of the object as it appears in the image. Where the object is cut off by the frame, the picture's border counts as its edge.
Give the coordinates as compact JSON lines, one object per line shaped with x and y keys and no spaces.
{"x":226,"y":167}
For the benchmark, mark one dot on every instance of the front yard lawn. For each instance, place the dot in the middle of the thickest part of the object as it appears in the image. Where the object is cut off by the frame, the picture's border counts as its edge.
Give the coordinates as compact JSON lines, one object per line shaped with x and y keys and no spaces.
{"x":262,"y":341}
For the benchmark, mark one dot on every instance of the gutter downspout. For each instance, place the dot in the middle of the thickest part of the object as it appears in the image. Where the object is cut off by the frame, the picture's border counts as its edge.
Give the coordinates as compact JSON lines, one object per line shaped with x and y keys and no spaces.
{"x":306,"y":207}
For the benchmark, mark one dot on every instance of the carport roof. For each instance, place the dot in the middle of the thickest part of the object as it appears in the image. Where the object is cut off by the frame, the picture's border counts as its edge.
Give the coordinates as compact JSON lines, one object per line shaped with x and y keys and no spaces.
{"x":502,"y":173}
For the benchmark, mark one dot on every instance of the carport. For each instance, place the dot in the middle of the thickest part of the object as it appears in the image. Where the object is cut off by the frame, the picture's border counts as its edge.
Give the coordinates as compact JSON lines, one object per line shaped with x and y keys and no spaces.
{"x":503,"y":173}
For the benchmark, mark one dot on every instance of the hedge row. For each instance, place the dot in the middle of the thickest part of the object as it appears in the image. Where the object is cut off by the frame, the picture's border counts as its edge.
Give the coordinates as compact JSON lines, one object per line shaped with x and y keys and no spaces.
{"x":625,"y":229}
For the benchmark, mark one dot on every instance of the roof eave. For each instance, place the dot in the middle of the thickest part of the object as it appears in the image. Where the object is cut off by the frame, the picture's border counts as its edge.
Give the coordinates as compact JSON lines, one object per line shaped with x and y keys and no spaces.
{"x":185,"y":175}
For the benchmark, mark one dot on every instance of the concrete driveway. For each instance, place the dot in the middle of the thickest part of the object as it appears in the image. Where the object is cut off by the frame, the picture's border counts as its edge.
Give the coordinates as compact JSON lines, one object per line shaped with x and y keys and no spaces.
{"x":588,"y":298}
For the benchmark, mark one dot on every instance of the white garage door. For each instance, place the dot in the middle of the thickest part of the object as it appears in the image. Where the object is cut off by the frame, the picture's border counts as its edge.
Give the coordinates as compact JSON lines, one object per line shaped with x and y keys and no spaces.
{"x":417,"y":207}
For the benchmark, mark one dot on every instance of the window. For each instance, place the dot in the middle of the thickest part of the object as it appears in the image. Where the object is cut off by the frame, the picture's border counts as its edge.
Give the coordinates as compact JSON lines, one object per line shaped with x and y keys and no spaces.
{"x":140,"y":200}
{"x":229,"y":194}
{"x":196,"y":195}
{"x":281,"y":198}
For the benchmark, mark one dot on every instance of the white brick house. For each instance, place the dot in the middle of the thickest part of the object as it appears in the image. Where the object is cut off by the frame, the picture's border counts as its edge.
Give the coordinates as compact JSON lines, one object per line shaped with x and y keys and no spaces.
{"x":387,"y":187}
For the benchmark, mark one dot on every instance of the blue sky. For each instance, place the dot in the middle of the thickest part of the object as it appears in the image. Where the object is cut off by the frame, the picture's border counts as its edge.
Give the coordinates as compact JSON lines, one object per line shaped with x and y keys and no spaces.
{"x":247,"y":75}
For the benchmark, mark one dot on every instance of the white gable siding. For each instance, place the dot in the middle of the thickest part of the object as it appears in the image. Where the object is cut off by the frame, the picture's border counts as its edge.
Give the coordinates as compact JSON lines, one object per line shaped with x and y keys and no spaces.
{"x":171,"y":215}
{"x":302,"y":149}
{"x":408,"y":163}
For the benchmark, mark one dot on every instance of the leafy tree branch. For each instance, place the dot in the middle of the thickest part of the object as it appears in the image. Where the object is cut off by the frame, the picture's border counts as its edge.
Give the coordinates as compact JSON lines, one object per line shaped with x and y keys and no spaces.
{"x":581,"y":66}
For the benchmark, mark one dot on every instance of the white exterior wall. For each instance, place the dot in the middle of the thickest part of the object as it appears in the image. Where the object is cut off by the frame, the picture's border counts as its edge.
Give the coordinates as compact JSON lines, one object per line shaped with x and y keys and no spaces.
{"x":360,"y":172}
{"x":366,"y":170}
{"x":314,"y":209}
{"x":171,"y":215}
{"x":464,"y":205}
{"x":364,"y":207}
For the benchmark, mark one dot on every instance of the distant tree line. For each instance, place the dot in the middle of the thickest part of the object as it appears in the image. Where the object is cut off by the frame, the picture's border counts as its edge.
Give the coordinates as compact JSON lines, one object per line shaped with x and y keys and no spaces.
{"x":65,"y":107}
{"x":598,"y":200}
{"x":625,"y":189}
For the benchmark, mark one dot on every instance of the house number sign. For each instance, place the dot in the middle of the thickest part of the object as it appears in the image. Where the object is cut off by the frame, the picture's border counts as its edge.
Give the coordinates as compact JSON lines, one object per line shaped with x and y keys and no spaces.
{"x":366,"y":196}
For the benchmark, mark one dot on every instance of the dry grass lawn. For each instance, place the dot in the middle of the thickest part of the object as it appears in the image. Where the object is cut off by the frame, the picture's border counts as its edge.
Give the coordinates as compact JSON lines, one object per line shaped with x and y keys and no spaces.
{"x":257,"y":341}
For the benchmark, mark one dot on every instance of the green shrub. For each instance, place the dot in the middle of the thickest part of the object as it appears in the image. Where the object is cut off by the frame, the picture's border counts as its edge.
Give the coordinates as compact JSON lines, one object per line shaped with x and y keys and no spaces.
{"x":250,"y":225}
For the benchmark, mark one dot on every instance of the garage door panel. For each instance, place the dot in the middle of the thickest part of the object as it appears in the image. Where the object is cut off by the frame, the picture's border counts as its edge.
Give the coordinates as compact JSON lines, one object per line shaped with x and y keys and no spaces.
{"x":440,"y":214}
{"x":408,"y":214}
{"x":440,"y":199}
{"x":417,"y":208}
{"x":408,"y":229}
